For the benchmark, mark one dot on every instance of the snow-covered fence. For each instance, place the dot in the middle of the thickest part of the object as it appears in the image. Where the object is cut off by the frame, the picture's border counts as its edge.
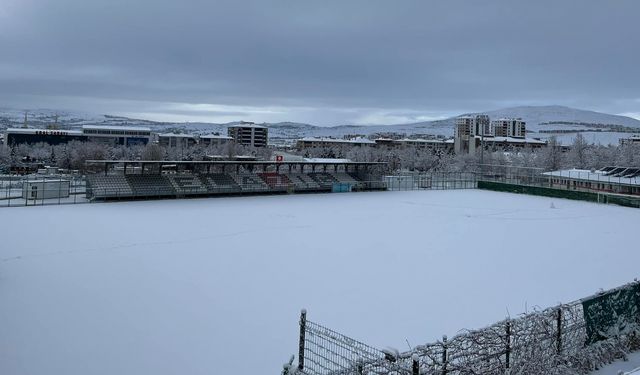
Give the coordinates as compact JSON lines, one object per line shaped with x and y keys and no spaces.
{"x":38,"y":190}
{"x":577,"y":337}
{"x":431,"y":181}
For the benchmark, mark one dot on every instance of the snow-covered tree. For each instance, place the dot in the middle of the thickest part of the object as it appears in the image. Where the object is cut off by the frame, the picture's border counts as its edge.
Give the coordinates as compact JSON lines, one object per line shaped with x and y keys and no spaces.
{"x":578,"y":156}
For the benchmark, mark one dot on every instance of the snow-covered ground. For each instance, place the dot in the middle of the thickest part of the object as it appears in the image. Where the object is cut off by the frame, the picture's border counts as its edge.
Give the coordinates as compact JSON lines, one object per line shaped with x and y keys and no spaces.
{"x":628,"y":367}
{"x":215,"y":286}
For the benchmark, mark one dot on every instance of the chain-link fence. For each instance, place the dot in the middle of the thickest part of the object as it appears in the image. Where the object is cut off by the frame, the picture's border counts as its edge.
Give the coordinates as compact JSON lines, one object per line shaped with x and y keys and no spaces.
{"x":575,"y":337}
{"x":69,"y":189}
{"x":38,"y":190}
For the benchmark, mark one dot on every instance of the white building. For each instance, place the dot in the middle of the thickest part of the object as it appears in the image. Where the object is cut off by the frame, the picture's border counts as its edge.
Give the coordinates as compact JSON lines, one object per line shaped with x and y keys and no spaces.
{"x":121,"y":135}
{"x":214,"y":139}
{"x":176,"y":140}
{"x":318,"y":142}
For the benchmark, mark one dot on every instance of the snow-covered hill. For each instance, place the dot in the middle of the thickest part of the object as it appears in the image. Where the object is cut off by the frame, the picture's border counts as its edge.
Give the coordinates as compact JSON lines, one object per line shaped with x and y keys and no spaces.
{"x":542,"y":117}
{"x":41,"y":118}
{"x":541,"y":121}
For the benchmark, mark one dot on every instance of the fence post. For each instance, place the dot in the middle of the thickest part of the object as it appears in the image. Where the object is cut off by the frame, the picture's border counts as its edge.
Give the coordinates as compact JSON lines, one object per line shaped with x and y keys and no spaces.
{"x":559,"y":330}
{"x":508,"y":345}
{"x":303,"y":326}
{"x":444,"y":355}
{"x":416,"y":365}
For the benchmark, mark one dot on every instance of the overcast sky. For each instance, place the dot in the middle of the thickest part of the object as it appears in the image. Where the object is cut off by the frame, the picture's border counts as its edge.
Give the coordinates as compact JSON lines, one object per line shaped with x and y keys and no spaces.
{"x":321,"y":62}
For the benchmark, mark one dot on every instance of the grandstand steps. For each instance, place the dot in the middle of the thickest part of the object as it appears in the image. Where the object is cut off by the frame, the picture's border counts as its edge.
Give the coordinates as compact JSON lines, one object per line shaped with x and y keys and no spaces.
{"x":250,"y":182}
{"x":150,"y":185}
{"x":275,"y":180}
{"x":109,"y":186}
{"x":220,"y":183}
{"x":302,"y":181}
{"x":324,"y":180}
{"x":187,"y":184}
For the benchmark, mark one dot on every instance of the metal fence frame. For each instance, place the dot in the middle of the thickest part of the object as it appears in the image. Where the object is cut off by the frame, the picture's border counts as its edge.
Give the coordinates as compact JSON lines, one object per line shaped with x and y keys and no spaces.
{"x":547,"y":341}
{"x":81,"y":191}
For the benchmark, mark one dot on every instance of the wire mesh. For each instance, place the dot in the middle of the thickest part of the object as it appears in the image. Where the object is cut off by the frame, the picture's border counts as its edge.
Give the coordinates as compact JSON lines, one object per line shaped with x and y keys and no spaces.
{"x":546,"y":341}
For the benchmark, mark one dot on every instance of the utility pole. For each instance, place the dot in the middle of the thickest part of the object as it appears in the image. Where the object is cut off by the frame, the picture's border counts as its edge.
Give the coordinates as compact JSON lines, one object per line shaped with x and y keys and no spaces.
{"x":482,"y":129}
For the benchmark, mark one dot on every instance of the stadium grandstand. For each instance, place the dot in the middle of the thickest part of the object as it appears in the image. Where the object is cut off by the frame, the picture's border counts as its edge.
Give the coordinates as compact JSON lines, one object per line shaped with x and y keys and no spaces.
{"x":176,"y":179}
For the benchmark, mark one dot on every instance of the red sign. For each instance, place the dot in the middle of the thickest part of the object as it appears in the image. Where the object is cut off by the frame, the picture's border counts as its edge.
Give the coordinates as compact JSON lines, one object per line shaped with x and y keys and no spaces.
{"x":279,"y":158}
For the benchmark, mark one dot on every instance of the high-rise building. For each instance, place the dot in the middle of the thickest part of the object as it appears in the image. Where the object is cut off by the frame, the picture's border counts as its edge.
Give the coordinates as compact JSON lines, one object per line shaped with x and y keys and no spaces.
{"x":249,"y":134}
{"x":467,"y":128}
{"x":509,"y":127}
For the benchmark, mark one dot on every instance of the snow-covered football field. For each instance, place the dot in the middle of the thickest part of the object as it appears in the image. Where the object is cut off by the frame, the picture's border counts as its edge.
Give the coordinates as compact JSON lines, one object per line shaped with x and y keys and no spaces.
{"x":215,"y":286}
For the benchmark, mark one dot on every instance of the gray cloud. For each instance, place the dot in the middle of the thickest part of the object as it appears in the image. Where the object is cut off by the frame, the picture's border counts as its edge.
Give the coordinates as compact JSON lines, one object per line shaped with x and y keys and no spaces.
{"x":322,"y":62}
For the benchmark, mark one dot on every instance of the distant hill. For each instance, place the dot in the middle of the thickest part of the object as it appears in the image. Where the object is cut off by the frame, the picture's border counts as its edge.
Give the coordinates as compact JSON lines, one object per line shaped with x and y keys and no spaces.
{"x":538,"y":118}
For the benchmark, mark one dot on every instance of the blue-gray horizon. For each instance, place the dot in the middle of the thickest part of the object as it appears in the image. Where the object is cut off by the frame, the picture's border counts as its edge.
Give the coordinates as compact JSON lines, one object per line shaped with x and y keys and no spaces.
{"x":329,"y":63}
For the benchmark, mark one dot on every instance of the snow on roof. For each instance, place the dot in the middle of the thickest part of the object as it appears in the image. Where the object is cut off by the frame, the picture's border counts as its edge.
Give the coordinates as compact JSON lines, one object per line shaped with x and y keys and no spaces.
{"x":327,"y":160}
{"x":248,"y":125}
{"x":597,"y":176}
{"x":509,"y":119}
{"x":176,"y":135}
{"x":114,"y":127}
{"x":215,"y":136}
{"x":511,"y":139}
{"x":421,"y":140}
{"x":335,"y":140}
{"x":43,"y":131}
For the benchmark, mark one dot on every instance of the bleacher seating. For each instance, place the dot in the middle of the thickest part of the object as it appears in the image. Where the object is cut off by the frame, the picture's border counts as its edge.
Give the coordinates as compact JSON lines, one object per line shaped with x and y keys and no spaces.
{"x":275,"y":180}
{"x":219,"y":183}
{"x":302,"y":181}
{"x":150,"y":185}
{"x":344,"y":178}
{"x":108,"y":186}
{"x":250,"y":182}
{"x":325,"y":180}
{"x":356,"y":177}
{"x":187,"y":184}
